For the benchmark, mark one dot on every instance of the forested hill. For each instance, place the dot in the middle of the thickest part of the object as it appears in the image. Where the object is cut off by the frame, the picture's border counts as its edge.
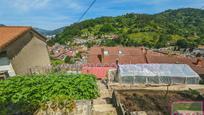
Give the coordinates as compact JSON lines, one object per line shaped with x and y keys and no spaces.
{"x":183,"y":27}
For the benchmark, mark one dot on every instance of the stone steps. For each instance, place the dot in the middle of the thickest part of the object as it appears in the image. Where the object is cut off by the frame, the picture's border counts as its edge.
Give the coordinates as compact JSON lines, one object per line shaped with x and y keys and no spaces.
{"x":104,"y":109}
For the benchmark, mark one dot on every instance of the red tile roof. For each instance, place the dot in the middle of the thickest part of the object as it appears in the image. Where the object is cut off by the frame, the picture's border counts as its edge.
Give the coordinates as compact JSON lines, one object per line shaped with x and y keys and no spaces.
{"x":129,"y":55}
{"x":132,"y":55}
{"x":69,"y":53}
{"x":154,"y":57}
{"x":9,"y":34}
{"x":99,"y":72}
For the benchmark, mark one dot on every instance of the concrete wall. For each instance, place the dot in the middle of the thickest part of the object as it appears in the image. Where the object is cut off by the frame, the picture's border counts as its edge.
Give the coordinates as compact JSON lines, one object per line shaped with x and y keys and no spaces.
{"x":5,"y":65}
{"x":28,"y":52}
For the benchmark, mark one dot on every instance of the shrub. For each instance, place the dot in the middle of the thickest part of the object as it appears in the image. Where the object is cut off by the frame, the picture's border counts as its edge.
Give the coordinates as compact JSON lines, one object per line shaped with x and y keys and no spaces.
{"x":25,"y":94}
{"x":56,"y":62}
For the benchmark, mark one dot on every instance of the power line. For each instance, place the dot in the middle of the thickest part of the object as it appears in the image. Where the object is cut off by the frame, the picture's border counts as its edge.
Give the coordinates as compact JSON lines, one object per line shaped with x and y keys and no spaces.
{"x":92,"y":3}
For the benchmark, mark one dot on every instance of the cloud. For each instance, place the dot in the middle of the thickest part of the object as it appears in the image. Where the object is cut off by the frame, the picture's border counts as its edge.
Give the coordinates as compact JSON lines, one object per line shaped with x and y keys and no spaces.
{"x":73,"y":4}
{"x":152,"y":2}
{"x":26,"y":5}
{"x":162,"y":2}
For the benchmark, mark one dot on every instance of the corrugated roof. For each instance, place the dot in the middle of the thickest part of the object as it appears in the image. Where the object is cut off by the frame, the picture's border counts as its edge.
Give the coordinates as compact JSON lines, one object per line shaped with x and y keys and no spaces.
{"x":9,"y":34}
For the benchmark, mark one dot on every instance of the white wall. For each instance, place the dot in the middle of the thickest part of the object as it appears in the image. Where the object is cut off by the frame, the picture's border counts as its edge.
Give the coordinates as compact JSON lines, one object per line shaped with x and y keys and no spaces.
{"x":5,"y":65}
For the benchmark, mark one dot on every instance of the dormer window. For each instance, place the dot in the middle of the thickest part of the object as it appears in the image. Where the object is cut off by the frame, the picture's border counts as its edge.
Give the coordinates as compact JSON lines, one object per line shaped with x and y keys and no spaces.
{"x":120,"y":52}
{"x":106,"y":52}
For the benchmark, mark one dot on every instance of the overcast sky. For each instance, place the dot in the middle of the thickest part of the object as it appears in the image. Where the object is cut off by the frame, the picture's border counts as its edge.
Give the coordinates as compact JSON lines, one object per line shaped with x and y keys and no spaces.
{"x":52,"y":14}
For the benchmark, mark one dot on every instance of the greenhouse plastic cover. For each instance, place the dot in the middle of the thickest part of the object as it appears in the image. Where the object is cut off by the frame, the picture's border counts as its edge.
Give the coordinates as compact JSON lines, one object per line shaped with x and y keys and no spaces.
{"x":176,"y":70}
{"x":157,"y":73}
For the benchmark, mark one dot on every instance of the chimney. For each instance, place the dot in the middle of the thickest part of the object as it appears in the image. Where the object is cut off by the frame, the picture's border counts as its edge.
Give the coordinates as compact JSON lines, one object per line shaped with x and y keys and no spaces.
{"x":102,"y":54}
{"x":145,"y":55}
{"x":145,"y":52}
{"x":117,"y":63}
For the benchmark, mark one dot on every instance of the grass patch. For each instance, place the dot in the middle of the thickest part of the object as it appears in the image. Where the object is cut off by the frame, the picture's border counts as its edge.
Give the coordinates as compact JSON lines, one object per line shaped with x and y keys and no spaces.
{"x":190,"y":106}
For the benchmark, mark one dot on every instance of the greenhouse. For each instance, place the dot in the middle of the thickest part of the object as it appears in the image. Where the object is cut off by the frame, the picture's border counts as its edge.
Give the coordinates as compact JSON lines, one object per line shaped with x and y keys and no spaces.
{"x":156,"y":74}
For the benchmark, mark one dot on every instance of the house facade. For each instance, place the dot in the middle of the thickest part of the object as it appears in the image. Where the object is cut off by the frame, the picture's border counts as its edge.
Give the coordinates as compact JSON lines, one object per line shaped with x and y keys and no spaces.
{"x":22,"y":48}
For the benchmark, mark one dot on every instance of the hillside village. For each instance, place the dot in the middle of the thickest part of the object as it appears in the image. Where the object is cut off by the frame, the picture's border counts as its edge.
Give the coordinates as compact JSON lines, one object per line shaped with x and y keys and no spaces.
{"x":97,"y":75}
{"x":116,"y":68}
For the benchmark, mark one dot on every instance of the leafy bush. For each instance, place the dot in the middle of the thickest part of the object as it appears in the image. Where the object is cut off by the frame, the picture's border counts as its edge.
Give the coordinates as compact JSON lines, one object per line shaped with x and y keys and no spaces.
{"x":201,"y":82}
{"x":69,"y":60}
{"x":25,"y":94}
{"x":192,"y":94}
{"x":107,"y":28}
{"x":56,"y":62}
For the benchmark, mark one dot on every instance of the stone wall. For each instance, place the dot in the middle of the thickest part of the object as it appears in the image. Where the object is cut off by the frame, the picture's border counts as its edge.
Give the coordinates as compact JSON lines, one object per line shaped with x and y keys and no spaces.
{"x":82,"y":108}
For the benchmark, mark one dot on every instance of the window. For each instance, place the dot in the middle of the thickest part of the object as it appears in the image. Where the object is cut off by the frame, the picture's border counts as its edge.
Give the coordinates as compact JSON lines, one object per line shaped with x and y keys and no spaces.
{"x":120,"y":52}
{"x":105,"y":52}
{"x":4,"y":60}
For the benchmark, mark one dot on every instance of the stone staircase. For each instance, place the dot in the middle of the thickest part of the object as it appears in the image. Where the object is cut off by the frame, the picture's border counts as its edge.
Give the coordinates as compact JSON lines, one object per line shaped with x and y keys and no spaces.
{"x":104,"y":109}
{"x":102,"y":105}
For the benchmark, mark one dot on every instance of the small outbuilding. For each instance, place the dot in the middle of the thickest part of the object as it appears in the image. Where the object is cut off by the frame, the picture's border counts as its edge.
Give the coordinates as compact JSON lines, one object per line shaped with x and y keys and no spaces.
{"x":156,"y":74}
{"x":22,"y":48}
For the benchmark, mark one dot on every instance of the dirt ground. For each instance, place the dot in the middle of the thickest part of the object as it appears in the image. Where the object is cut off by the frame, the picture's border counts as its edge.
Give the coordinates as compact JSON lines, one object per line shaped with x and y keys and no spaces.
{"x":153,"y":102}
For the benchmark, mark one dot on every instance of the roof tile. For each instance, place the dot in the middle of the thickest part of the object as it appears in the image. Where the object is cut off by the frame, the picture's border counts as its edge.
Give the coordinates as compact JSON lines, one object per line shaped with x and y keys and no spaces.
{"x":9,"y":34}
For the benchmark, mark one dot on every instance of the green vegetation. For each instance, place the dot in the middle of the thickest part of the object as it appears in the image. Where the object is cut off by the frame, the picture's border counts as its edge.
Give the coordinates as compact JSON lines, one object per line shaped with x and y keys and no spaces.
{"x":55,"y":62}
{"x":107,"y":28}
{"x":183,"y":27}
{"x":25,"y":94}
{"x":69,"y":60}
{"x":193,"y":106}
{"x":183,"y":43}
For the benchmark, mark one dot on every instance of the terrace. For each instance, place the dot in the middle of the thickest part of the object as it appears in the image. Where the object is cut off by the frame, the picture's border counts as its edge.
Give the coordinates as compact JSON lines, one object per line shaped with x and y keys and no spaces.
{"x":151,"y":102}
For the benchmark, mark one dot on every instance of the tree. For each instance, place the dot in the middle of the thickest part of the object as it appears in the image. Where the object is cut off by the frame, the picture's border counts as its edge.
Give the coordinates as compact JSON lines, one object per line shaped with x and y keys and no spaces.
{"x":183,"y":43}
{"x":162,"y":41}
{"x":109,"y":43}
{"x":107,"y":28}
{"x":68,"y":59}
{"x":182,"y":22}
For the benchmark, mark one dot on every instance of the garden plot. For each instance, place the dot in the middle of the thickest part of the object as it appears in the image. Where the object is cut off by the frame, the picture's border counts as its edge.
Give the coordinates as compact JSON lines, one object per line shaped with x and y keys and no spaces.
{"x":150,"y":102}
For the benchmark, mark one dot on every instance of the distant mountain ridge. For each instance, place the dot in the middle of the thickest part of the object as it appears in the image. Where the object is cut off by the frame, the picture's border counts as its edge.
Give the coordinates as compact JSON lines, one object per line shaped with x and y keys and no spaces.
{"x":49,"y":32}
{"x":46,"y":32}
